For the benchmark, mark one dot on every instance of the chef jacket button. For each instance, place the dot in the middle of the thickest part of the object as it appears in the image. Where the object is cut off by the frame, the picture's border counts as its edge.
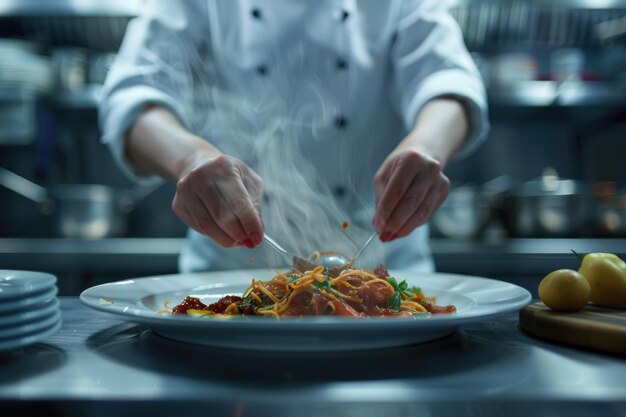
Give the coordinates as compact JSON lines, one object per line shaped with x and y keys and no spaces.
{"x":339,"y":191}
{"x":341,"y":122}
{"x":341,"y":63}
{"x":344,"y":15}
{"x":262,"y":69}
{"x":256,"y":13}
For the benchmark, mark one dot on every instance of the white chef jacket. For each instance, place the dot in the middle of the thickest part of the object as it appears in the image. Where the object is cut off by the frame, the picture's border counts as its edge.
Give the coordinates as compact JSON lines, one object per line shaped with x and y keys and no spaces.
{"x":326,"y":87}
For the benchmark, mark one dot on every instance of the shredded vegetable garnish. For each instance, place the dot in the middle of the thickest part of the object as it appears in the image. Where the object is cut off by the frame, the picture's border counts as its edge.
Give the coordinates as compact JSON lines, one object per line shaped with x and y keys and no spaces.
{"x":166,"y":308}
{"x":353,"y":293}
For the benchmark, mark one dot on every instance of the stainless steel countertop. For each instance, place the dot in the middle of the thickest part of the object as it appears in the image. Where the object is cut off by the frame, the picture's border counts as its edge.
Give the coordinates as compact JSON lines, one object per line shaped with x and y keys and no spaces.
{"x":155,"y":254}
{"x":106,"y":255}
{"x":98,"y":365}
{"x":440,"y":246}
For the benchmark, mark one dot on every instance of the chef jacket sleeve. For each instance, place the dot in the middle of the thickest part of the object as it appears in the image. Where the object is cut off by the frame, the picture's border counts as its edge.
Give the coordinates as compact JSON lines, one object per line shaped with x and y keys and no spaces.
{"x":430,"y":60}
{"x":153,"y":67}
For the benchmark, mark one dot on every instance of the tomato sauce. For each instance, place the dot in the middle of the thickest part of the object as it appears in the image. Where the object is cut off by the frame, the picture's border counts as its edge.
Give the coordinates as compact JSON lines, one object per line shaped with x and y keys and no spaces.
{"x":374,"y":296}
{"x":435,"y":309}
{"x":189,"y":303}
{"x":194,"y":303}
{"x":381,"y":272}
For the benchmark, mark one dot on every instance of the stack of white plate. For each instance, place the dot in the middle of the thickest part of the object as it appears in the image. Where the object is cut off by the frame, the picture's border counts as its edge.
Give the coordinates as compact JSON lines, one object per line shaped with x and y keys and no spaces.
{"x":29,"y":309}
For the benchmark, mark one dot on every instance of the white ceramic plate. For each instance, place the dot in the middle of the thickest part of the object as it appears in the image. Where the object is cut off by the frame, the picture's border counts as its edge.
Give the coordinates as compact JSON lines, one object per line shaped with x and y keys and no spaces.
{"x":34,"y":313}
{"x":139,"y":299}
{"x":29,"y":339}
{"x":12,"y":306}
{"x":17,"y":284}
{"x":31,"y":327}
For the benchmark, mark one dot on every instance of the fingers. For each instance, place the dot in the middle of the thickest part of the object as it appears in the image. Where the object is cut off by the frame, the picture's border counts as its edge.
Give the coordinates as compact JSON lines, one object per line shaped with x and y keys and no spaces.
{"x":238,"y":212}
{"x":221,"y":199}
{"x":433,"y":199}
{"x":391,"y":185}
{"x":411,"y":204}
{"x":194,"y":214}
{"x":254,"y":186}
{"x":415,"y":188}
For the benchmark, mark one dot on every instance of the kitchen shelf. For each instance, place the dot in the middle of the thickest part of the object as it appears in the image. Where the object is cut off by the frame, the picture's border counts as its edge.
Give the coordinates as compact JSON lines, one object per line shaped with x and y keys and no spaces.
{"x":522,"y":94}
{"x":527,"y":247}
{"x":17,"y":8}
{"x":85,"y":98}
{"x":554,"y":94}
{"x":565,"y":4}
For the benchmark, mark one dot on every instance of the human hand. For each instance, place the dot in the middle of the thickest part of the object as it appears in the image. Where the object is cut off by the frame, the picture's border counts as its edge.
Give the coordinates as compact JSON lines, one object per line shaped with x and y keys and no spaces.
{"x":409,"y":187}
{"x":220,"y":197}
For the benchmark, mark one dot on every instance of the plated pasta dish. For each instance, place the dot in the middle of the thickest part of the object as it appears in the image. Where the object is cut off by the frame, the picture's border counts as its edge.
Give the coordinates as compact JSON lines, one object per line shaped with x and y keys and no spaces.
{"x":353,"y":293}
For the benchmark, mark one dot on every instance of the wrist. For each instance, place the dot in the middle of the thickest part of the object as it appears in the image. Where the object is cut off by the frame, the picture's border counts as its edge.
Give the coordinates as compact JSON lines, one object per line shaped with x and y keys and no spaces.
{"x":413,"y":144}
{"x":199,"y":151}
{"x":439,"y":131}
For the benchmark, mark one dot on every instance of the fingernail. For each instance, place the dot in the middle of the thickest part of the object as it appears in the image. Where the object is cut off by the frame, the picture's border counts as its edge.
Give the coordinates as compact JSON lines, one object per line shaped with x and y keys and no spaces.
{"x":385,"y":236}
{"x":248,"y":243}
{"x":255,"y":238}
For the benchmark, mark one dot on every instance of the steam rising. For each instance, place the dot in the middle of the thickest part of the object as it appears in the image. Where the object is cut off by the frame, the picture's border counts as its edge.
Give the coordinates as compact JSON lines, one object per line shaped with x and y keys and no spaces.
{"x":299,"y":208}
{"x":281,"y":131}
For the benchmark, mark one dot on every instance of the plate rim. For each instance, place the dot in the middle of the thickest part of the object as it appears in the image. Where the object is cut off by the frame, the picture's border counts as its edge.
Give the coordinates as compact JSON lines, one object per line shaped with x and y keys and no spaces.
{"x":44,"y":281}
{"x":7,"y":307}
{"x":24,"y":330}
{"x":26,"y":340}
{"x":141,"y":315}
{"x":25,"y":316}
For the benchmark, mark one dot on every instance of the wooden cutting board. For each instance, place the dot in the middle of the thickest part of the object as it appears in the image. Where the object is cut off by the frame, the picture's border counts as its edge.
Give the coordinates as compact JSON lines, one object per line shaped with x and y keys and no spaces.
{"x":593,"y":327}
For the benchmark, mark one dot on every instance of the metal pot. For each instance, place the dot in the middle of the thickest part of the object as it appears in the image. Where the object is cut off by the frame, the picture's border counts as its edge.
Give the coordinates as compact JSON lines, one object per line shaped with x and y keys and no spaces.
{"x":468,"y":209}
{"x":463,"y":215}
{"x":549,"y":207}
{"x":88,"y":211}
{"x":610,"y":219}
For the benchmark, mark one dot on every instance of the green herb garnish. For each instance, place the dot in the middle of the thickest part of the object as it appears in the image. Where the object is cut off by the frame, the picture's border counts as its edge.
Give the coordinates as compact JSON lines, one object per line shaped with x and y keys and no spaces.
{"x":400,"y":288}
{"x":248,"y":302}
{"x":394,"y":302}
{"x":393,"y":282}
{"x":323,"y":284}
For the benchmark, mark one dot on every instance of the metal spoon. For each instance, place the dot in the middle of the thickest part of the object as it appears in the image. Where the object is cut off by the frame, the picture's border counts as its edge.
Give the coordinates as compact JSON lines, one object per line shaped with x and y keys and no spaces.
{"x":299,"y":263}
{"x":365,"y":245}
{"x":334,"y":262}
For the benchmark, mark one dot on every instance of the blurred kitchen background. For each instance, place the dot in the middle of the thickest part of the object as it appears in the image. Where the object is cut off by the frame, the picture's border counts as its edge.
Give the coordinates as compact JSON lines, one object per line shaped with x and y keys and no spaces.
{"x":550,"y":178}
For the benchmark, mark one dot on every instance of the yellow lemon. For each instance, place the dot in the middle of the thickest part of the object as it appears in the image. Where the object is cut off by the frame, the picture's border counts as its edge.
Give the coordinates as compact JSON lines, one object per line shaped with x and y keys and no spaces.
{"x":564,"y":290}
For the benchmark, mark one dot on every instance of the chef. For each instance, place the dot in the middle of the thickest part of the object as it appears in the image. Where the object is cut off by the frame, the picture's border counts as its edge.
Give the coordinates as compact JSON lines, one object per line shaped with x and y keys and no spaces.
{"x":314,"y":121}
